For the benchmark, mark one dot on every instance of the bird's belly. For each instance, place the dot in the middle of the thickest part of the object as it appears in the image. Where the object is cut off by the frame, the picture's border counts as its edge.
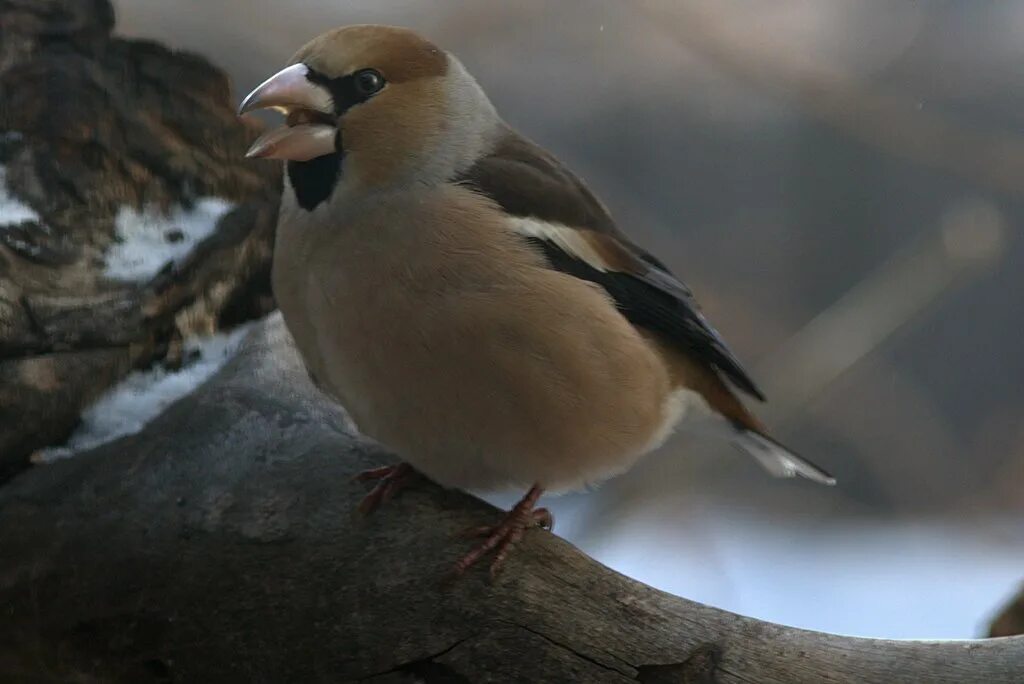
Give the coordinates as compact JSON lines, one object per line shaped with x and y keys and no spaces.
{"x":470,"y":357}
{"x":480,"y":391}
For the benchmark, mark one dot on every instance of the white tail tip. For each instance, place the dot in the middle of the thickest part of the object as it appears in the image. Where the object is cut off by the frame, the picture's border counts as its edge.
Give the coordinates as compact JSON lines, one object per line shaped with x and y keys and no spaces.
{"x":778,"y":460}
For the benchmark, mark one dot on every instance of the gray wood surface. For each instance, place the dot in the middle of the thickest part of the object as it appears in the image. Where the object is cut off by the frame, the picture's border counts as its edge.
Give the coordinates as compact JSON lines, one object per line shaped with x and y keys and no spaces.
{"x":219,"y":545}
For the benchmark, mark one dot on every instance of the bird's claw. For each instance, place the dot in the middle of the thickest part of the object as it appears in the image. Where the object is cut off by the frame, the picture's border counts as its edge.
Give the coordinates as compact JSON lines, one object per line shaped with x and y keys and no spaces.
{"x":503,"y":537}
{"x":391,"y":480}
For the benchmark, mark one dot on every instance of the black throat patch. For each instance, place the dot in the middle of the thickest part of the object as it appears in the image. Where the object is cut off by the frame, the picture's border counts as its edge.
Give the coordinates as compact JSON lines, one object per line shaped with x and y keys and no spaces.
{"x":313,"y":181}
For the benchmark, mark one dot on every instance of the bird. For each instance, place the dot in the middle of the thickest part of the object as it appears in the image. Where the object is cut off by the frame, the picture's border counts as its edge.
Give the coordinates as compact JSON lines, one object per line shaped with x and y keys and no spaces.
{"x":466,"y":297}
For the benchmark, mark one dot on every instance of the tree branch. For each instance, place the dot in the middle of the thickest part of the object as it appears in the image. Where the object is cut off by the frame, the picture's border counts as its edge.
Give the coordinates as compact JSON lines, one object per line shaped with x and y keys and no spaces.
{"x":220,"y":545}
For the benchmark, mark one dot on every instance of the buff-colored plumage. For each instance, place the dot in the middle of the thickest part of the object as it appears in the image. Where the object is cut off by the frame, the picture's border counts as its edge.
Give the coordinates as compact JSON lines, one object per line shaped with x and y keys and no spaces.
{"x":480,"y":377}
{"x":465,"y":297}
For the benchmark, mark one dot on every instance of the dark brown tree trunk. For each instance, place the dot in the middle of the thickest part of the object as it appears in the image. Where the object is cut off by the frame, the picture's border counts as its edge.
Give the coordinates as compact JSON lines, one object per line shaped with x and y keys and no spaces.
{"x":90,"y":124}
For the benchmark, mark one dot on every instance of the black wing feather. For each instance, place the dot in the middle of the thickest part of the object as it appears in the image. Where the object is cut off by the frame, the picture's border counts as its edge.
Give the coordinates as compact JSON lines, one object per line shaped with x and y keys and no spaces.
{"x":527,"y":181}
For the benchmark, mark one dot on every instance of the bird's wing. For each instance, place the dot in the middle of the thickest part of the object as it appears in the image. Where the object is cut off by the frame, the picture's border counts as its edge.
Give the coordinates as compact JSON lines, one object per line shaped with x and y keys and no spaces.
{"x":554,"y":210}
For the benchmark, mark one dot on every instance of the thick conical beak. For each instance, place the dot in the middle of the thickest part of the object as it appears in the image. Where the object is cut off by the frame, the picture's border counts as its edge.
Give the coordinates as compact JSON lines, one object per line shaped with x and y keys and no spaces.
{"x":288,"y":89}
{"x":306,"y":136}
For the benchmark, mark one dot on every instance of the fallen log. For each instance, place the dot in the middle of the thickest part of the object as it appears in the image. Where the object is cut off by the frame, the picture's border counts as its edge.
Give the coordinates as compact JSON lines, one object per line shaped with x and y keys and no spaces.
{"x":220,"y":544}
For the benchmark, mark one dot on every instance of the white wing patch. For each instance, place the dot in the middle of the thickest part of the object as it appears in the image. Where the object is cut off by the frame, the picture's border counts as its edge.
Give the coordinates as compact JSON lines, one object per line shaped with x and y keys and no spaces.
{"x":567,"y":239}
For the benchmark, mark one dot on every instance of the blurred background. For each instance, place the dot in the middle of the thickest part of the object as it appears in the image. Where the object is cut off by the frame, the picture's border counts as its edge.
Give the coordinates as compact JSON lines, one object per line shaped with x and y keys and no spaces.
{"x":840,"y":183}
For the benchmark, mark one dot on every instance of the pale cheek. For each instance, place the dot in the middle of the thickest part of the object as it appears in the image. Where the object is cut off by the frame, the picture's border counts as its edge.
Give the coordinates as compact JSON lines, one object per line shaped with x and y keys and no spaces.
{"x":390,"y":138}
{"x":379,"y":155}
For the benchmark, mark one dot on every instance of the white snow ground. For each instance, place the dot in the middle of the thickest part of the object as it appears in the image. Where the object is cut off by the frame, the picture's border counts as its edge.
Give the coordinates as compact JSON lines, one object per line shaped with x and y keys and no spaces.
{"x":142,"y":395}
{"x":898,"y":579}
{"x":887,"y":578}
{"x":148,"y":239}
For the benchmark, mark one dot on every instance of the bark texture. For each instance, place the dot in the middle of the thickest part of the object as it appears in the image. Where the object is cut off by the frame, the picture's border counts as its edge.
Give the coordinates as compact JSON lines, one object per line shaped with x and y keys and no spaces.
{"x":90,"y":124}
{"x":220,"y":545}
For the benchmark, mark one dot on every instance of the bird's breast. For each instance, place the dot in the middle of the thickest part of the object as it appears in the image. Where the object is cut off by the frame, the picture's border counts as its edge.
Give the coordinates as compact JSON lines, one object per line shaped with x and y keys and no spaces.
{"x":451,"y":342}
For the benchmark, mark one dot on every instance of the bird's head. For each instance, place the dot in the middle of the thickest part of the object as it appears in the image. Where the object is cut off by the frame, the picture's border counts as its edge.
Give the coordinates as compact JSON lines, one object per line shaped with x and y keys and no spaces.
{"x":371,"y":106}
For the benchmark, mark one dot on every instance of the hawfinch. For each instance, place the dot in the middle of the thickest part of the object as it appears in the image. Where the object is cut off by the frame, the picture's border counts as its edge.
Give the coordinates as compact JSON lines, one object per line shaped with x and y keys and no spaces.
{"x":467,"y":298}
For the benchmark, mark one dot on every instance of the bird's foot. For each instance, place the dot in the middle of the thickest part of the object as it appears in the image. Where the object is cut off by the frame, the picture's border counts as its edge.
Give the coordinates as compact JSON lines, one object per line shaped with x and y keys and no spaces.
{"x":501,"y":538}
{"x":390,"y":480}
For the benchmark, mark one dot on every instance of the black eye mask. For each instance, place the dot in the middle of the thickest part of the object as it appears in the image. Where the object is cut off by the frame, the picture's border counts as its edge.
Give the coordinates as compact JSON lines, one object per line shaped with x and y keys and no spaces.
{"x":351,"y":90}
{"x":313,"y":181}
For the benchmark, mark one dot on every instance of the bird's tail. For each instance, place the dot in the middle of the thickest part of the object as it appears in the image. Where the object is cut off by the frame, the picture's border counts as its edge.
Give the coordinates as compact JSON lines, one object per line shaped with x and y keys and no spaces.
{"x":777,"y":459}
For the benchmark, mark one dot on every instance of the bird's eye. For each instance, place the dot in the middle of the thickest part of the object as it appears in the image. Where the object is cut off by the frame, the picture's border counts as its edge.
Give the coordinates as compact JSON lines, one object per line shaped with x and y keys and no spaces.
{"x":368,"y":81}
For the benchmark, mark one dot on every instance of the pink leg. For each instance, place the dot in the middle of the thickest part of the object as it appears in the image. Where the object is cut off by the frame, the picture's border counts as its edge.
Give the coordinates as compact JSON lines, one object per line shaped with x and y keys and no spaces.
{"x":501,"y":538}
{"x":392,"y":479}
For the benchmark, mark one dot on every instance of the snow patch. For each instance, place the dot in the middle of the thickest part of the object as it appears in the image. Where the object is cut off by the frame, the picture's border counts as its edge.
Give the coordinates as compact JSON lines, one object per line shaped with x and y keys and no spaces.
{"x":892,"y":578}
{"x":150,"y":238}
{"x":12,"y":210}
{"x":142,"y":395}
